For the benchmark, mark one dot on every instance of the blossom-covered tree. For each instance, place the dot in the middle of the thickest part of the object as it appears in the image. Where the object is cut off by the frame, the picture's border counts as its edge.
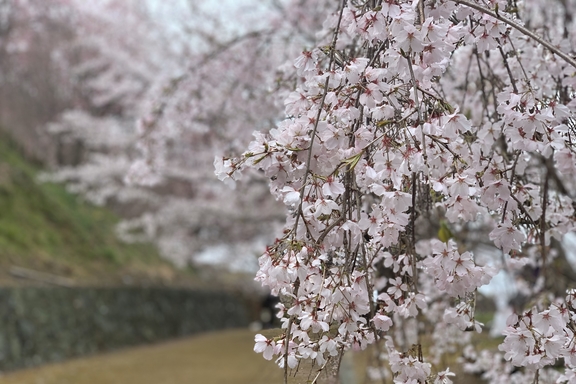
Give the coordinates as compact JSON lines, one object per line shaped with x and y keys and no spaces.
{"x":406,"y":114}
{"x":423,"y":147}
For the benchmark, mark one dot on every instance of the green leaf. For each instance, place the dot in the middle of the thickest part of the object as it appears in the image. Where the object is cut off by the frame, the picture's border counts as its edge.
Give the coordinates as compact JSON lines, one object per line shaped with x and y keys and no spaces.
{"x":444,"y":233}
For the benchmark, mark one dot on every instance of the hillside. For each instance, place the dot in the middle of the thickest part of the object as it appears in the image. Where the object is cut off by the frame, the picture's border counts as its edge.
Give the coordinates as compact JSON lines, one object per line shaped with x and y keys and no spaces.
{"x":48,"y":234}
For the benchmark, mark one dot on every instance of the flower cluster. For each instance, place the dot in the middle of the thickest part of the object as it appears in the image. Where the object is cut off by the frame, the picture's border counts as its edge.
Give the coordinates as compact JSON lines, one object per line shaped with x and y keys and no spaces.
{"x":406,"y":115}
{"x":454,"y":273}
{"x":538,"y":338}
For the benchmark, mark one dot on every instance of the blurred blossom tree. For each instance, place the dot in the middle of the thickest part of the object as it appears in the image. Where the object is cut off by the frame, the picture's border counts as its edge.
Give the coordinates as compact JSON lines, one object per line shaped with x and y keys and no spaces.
{"x":423,"y":146}
{"x":130,"y":67}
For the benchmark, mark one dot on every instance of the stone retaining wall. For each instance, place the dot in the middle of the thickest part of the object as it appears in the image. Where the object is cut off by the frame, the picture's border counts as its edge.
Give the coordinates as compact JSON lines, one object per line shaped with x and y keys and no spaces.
{"x":40,"y":325}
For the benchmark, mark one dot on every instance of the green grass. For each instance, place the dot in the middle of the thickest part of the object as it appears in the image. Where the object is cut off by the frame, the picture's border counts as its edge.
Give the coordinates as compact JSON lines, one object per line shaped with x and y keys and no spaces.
{"x":43,"y":227}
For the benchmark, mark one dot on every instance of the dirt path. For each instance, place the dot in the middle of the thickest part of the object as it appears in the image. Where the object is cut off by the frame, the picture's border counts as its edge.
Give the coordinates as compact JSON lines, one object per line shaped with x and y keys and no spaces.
{"x":212,"y":358}
{"x":225,"y":357}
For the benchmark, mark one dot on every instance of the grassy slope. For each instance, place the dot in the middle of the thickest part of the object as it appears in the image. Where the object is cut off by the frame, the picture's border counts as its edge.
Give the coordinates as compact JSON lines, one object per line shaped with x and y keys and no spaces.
{"x":45,"y":228}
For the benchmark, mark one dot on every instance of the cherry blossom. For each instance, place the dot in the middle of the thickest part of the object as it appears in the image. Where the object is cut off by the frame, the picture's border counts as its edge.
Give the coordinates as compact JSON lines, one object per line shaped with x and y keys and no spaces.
{"x":264,"y":346}
{"x":415,"y":112}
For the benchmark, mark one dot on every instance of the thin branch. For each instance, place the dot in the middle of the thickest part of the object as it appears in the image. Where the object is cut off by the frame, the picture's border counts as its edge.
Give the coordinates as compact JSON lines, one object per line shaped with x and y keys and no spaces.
{"x":417,"y":101}
{"x":327,"y":230}
{"x":510,"y":75}
{"x":313,"y":136}
{"x":510,"y":185}
{"x":543,"y":222}
{"x":413,"y":234}
{"x":320,"y":371}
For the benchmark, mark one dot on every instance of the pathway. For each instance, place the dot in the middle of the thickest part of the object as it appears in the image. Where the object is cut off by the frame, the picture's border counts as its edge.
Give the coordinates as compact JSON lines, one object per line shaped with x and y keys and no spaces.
{"x":212,"y":358}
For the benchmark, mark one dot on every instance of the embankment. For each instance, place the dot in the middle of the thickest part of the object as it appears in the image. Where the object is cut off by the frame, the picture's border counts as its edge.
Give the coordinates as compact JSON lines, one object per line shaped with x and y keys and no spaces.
{"x":41,"y":325}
